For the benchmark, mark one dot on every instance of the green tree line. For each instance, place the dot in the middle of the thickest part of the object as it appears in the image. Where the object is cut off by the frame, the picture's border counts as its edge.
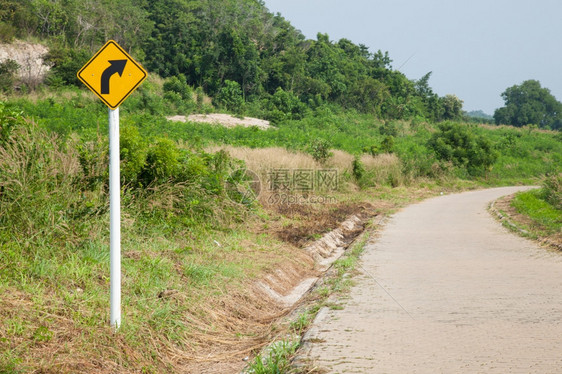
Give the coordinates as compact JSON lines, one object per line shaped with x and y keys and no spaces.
{"x":234,"y":49}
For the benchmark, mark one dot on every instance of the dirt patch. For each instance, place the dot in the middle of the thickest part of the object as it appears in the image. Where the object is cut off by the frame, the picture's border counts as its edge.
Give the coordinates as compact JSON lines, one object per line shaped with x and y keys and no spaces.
{"x":225,"y":120}
{"x":309,"y":222}
{"x":30,"y":58}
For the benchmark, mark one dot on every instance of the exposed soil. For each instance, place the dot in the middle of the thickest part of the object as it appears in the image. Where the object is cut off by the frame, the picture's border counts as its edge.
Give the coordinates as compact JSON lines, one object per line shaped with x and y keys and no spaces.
{"x":225,"y":120}
{"x":241,"y":323}
{"x":313,"y":221}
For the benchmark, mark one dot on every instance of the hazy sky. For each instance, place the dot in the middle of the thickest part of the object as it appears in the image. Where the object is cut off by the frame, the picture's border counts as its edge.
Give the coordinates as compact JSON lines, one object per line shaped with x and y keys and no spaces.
{"x":475,"y":49}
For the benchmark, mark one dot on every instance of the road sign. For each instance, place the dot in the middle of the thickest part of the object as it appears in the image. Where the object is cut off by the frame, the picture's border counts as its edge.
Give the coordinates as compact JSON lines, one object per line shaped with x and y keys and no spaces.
{"x":112,"y":74}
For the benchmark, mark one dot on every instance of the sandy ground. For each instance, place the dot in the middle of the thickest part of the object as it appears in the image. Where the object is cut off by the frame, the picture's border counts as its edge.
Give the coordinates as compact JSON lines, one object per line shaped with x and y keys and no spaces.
{"x":447,"y":289}
{"x":223,"y":119}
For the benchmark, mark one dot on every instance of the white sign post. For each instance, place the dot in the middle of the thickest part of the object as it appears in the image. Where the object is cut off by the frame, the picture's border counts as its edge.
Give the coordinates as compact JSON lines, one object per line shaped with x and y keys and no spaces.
{"x":113,"y":75}
{"x":115,"y":219}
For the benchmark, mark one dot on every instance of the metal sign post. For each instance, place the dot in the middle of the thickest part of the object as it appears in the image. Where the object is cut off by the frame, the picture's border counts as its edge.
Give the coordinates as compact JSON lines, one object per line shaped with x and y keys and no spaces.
{"x":113,"y":75}
{"x":114,"y":219}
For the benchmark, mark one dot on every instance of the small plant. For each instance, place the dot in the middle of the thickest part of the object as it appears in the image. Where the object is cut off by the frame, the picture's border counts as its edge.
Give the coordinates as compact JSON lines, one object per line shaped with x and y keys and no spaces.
{"x":301,"y":323}
{"x":42,"y":334}
{"x":320,"y":150}
{"x":276,"y":361}
{"x":357,"y":168}
{"x":387,"y":145}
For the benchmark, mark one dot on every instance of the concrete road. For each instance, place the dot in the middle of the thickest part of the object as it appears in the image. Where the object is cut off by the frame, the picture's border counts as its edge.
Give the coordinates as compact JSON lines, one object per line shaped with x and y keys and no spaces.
{"x":447,"y":289}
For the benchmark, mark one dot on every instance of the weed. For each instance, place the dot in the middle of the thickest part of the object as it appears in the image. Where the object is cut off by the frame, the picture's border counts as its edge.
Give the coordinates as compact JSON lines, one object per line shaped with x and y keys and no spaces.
{"x":276,"y":360}
{"x":301,"y":322}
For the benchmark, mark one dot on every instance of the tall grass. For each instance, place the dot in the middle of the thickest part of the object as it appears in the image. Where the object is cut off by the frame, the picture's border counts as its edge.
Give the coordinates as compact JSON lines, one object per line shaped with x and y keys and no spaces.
{"x":523,"y":154}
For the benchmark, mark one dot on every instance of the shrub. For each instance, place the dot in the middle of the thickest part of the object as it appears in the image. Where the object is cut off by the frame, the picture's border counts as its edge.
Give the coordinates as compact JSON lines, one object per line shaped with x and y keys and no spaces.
{"x":320,"y":150}
{"x":8,"y":120}
{"x":230,"y":97}
{"x":65,"y":63}
{"x":7,"y":32}
{"x":357,"y":168}
{"x":178,"y":92}
{"x":387,"y":145}
{"x":133,"y":152}
{"x":284,"y":105}
{"x":552,"y":189}
{"x":8,"y":70}
{"x":455,"y":143}
{"x":162,"y":162}
{"x":389,"y":128}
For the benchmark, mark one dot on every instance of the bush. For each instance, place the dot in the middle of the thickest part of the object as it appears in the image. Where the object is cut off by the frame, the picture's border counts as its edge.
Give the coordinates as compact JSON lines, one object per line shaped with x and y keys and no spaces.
{"x":162,"y":161}
{"x":456,"y":144}
{"x":357,"y":168}
{"x":320,"y":150}
{"x":389,"y":128}
{"x":133,"y":151}
{"x":230,"y":97}
{"x":7,"y":33}
{"x":65,"y":63}
{"x":552,"y":189}
{"x":8,"y":70}
{"x":8,"y":120}
{"x":387,"y":145}
{"x":179,"y":93}
{"x":284,"y":105}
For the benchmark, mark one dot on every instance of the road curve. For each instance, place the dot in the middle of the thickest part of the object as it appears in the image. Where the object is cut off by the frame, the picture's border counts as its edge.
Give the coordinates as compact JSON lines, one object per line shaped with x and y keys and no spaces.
{"x":446,"y":289}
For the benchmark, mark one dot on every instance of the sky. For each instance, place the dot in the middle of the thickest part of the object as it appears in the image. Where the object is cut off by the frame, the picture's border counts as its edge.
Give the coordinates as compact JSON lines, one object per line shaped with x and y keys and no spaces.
{"x":475,"y":49}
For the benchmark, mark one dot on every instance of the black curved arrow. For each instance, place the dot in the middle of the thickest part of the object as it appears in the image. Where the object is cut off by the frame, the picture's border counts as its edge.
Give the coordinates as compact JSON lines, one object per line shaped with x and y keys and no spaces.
{"x":117,"y":66}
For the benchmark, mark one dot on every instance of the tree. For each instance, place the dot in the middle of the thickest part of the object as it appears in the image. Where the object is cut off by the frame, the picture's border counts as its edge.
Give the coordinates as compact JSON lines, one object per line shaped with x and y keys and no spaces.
{"x":430,"y":100}
{"x":529,"y":103}
{"x":230,"y":97}
{"x":452,"y":107}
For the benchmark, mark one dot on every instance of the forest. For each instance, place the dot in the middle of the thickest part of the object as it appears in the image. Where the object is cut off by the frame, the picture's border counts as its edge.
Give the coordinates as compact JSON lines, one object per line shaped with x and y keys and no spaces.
{"x":232,"y":49}
{"x":240,"y":53}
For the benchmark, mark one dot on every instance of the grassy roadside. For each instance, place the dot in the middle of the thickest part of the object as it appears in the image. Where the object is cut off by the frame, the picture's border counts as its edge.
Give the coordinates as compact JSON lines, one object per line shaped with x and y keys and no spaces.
{"x":190,"y":260}
{"x":544,"y":219}
{"x":191,"y":256}
{"x":537,"y":213}
{"x":279,"y":356}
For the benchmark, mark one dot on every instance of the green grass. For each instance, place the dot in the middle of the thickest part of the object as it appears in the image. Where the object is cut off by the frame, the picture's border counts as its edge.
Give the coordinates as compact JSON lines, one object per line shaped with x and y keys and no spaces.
{"x":546,"y":219}
{"x":276,"y":360}
{"x":524,"y":156}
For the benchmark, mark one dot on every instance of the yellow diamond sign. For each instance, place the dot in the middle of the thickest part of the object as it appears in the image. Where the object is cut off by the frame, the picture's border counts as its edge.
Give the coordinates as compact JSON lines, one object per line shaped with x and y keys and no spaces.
{"x":112,"y":74}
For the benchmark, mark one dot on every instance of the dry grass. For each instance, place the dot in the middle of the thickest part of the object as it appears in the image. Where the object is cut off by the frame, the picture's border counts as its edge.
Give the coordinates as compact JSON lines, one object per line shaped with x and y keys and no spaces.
{"x":383,"y":169}
{"x":263,"y":160}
